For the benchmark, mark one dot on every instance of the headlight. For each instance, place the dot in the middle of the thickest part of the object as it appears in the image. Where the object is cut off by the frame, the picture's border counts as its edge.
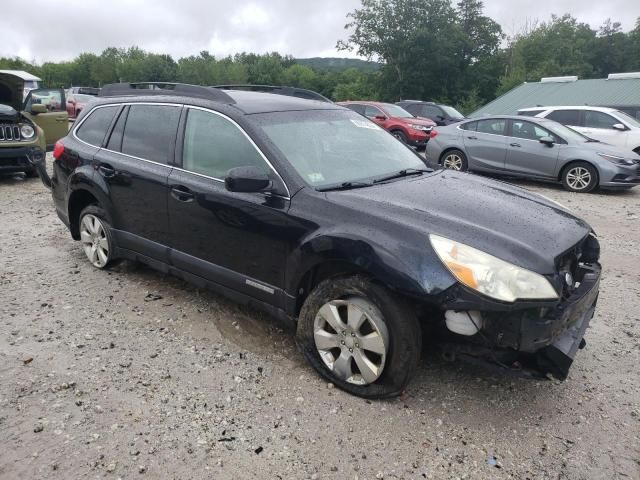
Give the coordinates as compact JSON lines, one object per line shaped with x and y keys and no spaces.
{"x":27,"y":131}
{"x":615,"y":159}
{"x":490,"y":275}
{"x":419,"y":127}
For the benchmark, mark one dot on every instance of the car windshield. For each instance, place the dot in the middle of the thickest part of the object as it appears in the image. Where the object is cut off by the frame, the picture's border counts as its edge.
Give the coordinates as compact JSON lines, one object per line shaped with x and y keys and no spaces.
{"x":452,"y":112}
{"x":396,"y":111}
{"x":569,"y":134}
{"x":336,"y":147}
{"x":628,"y":118}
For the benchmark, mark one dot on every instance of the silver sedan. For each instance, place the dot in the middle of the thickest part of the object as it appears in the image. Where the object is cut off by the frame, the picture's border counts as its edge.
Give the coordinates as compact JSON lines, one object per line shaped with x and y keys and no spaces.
{"x":534,"y":148}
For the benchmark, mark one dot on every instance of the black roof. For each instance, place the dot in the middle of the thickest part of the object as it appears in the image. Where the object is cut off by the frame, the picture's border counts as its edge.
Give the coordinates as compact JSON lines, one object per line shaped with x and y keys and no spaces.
{"x":248,"y":102}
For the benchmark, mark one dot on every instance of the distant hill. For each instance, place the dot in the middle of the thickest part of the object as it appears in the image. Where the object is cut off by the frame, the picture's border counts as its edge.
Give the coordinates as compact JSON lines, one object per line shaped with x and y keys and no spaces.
{"x":330,"y":63}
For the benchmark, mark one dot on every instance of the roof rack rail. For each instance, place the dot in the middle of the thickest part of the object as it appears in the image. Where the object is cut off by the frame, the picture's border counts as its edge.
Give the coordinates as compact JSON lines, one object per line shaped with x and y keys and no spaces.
{"x":279,"y":90}
{"x":164,"y":88}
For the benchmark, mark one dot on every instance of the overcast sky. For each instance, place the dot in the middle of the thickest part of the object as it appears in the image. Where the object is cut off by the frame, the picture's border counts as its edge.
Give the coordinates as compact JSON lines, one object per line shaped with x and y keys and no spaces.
{"x":44,"y":30}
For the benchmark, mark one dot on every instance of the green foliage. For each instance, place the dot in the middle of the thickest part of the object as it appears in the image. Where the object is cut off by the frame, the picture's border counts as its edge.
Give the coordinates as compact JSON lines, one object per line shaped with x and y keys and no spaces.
{"x":422,"y":49}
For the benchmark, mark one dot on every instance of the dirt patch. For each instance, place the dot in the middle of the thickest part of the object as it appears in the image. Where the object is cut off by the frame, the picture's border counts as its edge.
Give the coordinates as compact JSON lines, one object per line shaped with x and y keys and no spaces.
{"x":130,"y":373}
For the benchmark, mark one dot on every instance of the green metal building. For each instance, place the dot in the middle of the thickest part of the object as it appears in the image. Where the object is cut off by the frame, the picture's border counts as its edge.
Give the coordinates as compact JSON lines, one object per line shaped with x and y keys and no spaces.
{"x":619,"y":90}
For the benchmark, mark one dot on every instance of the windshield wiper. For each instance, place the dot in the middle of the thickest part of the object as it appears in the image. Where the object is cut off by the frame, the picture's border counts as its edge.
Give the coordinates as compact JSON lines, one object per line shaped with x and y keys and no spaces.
{"x":344,"y":186}
{"x":405,"y":172}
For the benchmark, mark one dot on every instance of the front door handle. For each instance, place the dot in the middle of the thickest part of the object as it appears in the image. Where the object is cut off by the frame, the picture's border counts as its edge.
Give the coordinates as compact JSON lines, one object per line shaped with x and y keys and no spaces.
{"x":515,"y":145}
{"x":182,"y":193}
{"x":472,"y":138}
{"x":107,"y":171}
{"x":61,"y":119}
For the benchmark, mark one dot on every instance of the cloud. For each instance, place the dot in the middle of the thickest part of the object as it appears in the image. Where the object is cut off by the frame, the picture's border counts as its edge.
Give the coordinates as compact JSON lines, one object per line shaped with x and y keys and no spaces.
{"x":44,"y":30}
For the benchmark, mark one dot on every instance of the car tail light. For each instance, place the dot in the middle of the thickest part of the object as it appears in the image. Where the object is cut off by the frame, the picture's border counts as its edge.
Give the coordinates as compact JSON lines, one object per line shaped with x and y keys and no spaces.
{"x":58,"y":149}
{"x":433,"y":133}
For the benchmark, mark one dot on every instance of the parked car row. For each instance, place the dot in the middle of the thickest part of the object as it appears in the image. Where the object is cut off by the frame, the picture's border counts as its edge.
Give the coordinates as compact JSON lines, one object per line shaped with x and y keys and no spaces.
{"x":406,"y":127}
{"x":536,"y":148}
{"x":315,"y":214}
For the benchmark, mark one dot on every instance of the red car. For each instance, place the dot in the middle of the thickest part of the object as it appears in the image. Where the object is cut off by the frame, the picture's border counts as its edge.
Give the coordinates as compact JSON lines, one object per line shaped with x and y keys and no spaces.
{"x":76,"y":103}
{"x":414,"y":131}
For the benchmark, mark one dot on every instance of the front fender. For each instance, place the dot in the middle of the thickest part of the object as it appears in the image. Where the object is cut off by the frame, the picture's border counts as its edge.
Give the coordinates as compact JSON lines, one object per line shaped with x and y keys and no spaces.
{"x":405,"y":263}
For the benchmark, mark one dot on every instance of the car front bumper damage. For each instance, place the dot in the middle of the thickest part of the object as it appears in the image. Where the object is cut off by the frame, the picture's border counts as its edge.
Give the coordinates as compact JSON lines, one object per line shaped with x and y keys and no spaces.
{"x":535,"y":340}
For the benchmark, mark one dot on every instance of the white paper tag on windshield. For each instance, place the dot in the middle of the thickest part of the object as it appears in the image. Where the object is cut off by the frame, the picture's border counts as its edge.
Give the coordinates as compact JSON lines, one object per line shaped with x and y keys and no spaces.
{"x":315,"y":177}
{"x":365,"y":124}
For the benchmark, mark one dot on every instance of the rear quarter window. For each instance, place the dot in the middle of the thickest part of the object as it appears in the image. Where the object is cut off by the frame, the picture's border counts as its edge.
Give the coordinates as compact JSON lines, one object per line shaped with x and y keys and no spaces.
{"x":529,"y":113}
{"x":95,"y":126}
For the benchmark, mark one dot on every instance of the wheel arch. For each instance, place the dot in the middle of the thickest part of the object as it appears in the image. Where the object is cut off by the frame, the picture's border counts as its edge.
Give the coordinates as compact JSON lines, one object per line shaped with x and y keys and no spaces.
{"x":79,"y":199}
{"x":447,"y":150}
{"x":573,"y":162}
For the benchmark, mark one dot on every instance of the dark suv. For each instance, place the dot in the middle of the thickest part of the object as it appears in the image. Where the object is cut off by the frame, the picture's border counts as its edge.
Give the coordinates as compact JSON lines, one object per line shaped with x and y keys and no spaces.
{"x":315,"y":214}
{"x":439,"y":113}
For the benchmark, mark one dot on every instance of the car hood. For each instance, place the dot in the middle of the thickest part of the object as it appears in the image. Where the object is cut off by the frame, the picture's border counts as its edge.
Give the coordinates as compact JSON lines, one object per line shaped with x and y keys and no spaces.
{"x":505,"y":221}
{"x":425,"y":122}
{"x":11,"y":89}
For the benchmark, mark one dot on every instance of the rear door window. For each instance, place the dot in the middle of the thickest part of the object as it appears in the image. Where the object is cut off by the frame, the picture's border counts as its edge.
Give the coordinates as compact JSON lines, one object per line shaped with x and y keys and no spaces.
{"x":496,"y":126}
{"x":150,"y":132}
{"x":96,"y":125}
{"x":566,"y":117}
{"x":356,"y":107}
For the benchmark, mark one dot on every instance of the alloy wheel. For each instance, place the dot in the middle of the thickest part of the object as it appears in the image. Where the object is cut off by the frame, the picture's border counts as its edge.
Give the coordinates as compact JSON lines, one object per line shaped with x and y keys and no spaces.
{"x":94,"y":240}
{"x":578,"y":178}
{"x":452,"y":162}
{"x":352,"y":340}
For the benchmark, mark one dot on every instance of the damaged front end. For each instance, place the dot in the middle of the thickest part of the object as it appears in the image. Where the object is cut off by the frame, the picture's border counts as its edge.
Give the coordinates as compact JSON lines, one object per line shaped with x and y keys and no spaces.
{"x":538,"y":339}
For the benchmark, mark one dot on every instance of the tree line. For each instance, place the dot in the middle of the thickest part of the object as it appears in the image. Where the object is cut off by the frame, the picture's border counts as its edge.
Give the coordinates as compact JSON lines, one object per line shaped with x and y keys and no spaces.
{"x":424,"y":49}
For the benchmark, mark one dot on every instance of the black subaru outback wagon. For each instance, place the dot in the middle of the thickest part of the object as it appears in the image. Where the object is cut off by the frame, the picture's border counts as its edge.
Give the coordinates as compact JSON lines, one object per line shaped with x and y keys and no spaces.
{"x":315,"y":214}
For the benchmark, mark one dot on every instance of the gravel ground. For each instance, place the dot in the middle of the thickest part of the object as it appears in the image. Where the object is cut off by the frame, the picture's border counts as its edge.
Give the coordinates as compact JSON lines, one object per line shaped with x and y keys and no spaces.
{"x":132,"y":374}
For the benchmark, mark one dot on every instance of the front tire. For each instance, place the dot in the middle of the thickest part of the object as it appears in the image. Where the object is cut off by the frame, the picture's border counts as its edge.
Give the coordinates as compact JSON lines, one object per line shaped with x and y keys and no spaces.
{"x":360,"y":337}
{"x":455,"y":160}
{"x":399,"y":134}
{"x":95,"y":235}
{"x":580,"y":177}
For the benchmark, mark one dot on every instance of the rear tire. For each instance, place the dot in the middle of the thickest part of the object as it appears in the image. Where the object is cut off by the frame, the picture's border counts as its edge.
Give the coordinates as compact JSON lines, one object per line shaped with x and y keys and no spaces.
{"x":95,"y":236}
{"x":580,"y":177}
{"x":374,"y":359}
{"x":455,"y":160}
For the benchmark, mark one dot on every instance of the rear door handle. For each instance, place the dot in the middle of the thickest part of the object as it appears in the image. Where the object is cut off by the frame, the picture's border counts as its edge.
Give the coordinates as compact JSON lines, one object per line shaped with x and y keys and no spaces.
{"x":472,"y":138}
{"x":107,"y":171}
{"x":515,"y":145}
{"x":61,"y":119}
{"x":182,"y":193}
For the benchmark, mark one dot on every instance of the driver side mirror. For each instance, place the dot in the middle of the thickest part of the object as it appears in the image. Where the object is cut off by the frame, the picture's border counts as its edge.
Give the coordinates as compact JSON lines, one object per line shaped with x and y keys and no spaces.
{"x":619,"y":126}
{"x":247,"y":179}
{"x":548,"y":141}
{"x":382,"y":118}
{"x":38,"y":108}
